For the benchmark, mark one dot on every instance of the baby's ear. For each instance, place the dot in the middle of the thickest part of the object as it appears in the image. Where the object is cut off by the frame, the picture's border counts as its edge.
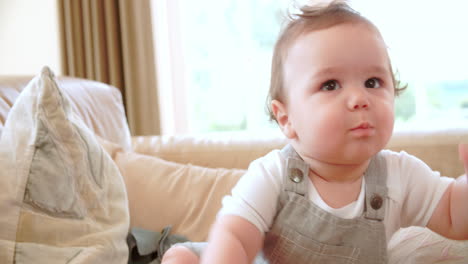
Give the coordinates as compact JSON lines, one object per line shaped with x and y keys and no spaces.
{"x":280,"y":112}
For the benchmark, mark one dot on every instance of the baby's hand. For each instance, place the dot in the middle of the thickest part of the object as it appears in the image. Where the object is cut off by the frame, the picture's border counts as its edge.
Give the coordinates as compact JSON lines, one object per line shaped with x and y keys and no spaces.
{"x":463,"y":152}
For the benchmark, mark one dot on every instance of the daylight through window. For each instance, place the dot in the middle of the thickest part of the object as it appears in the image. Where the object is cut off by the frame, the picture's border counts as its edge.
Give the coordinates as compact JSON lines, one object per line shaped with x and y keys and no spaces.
{"x":214,"y":60}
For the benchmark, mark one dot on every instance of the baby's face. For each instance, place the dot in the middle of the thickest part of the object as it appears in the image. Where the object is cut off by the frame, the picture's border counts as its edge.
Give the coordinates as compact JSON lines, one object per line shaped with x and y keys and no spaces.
{"x":339,"y":93}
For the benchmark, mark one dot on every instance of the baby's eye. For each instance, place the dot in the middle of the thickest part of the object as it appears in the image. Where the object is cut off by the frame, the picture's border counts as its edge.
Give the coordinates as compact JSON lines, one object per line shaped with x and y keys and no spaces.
{"x":372,"y":83}
{"x":330,"y":85}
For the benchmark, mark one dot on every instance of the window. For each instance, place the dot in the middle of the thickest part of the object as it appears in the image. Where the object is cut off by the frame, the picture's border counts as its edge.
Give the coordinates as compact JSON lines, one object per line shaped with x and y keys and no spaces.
{"x":29,"y":37}
{"x":214,"y":61}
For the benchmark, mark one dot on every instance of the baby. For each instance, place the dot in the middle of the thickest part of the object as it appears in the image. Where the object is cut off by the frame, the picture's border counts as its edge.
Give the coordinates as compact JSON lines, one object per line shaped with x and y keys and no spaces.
{"x":332,"y":195}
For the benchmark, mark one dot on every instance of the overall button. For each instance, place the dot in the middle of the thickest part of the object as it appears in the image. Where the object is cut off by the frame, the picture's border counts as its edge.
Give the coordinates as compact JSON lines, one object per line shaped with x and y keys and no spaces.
{"x":376,"y":202}
{"x":296,"y":175}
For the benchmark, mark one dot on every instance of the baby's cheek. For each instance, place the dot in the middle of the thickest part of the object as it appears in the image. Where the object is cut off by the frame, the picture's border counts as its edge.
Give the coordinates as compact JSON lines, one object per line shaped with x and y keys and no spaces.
{"x":387,"y":112}
{"x":386,"y":121}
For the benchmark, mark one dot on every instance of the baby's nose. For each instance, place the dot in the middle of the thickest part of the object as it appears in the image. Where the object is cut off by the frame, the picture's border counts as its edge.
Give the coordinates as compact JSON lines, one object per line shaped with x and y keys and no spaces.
{"x":360,"y":105}
{"x":357,"y":99}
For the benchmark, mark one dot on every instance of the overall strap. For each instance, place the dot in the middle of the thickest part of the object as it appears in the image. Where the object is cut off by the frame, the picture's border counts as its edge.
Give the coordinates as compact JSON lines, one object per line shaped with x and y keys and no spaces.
{"x":376,"y":188}
{"x":295,"y":172}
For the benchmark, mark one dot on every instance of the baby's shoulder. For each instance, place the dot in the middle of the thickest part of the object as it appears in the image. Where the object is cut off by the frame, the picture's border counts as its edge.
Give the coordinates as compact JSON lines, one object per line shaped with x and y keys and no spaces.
{"x":272,"y":159}
{"x":265,"y":173}
{"x":401,"y":160}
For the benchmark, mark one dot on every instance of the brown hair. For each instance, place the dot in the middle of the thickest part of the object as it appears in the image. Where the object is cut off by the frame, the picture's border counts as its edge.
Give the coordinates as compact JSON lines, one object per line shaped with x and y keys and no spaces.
{"x":311,"y":18}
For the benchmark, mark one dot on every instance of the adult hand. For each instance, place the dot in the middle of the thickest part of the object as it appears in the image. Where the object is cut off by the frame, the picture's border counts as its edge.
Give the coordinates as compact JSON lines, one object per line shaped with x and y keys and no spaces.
{"x":463,"y":152}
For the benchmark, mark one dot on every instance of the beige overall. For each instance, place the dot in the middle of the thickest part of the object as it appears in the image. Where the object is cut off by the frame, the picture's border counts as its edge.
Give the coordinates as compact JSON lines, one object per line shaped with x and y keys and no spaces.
{"x":304,"y":233}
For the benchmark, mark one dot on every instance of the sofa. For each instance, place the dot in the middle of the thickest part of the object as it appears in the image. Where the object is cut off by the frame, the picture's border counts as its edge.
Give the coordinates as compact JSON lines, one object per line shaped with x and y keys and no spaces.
{"x":179,"y":180}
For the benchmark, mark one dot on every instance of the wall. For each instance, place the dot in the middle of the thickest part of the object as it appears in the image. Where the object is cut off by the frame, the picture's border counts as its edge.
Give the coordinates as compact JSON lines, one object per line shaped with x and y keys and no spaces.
{"x":29,"y":36}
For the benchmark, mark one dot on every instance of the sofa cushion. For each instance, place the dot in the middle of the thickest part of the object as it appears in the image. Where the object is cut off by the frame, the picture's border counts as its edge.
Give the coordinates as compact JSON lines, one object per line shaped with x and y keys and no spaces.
{"x":214,"y":150}
{"x":163,"y":193}
{"x":62,"y":196}
{"x":99,"y":105}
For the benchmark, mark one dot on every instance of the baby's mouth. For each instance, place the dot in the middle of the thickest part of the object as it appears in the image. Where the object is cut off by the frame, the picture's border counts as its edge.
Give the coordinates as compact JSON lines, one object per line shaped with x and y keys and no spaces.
{"x":363,"y":125}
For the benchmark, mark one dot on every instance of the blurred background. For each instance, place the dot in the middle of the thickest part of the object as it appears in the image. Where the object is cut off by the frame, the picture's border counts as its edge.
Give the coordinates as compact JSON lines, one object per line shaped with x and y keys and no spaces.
{"x":212,"y":58}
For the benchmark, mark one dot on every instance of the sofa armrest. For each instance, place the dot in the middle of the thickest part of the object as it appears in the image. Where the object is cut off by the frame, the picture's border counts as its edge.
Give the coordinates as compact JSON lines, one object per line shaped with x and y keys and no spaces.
{"x":219,"y":151}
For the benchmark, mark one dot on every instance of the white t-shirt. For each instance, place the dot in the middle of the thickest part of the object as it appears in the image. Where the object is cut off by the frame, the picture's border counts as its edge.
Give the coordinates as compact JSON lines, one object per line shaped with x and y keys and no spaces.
{"x":414,"y":190}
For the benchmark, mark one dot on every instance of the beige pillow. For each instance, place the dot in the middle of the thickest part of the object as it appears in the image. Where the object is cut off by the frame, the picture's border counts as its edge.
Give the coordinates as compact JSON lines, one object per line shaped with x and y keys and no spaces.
{"x":163,"y":193}
{"x":63,"y":199}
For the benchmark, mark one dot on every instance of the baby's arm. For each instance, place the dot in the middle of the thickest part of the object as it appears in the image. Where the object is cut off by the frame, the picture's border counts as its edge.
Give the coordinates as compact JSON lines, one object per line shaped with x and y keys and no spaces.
{"x":450,"y":217}
{"x":232,"y":240}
